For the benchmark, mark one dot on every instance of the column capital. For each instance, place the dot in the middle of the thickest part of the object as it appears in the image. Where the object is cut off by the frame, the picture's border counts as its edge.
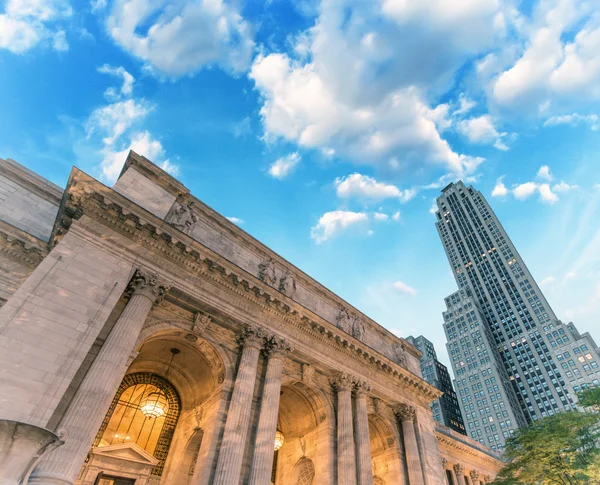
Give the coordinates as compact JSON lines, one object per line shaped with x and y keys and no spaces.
{"x":474,"y":474}
{"x":362,"y":388}
{"x":405,"y":412}
{"x":487,"y":478}
{"x":277,"y":347}
{"x":251,"y":336}
{"x":146,"y":283}
{"x":458,"y":468}
{"x":342,"y":382}
{"x":444,"y":463}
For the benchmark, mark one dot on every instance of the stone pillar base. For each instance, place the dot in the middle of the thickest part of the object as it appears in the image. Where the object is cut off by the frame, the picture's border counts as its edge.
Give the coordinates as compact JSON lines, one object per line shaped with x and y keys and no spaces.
{"x":21,"y":446}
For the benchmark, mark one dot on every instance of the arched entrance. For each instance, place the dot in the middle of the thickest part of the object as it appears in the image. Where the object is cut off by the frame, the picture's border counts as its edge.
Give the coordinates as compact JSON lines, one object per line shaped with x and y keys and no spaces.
{"x":386,"y":451}
{"x":170,"y":446}
{"x":306,"y":424}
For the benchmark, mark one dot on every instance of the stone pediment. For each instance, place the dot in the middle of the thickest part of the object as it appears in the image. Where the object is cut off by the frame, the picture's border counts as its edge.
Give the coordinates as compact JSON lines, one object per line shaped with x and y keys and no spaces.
{"x":126,"y":452}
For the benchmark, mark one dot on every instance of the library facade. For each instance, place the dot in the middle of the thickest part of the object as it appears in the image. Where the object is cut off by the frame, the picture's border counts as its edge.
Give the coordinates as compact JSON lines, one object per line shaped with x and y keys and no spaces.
{"x":146,"y":339}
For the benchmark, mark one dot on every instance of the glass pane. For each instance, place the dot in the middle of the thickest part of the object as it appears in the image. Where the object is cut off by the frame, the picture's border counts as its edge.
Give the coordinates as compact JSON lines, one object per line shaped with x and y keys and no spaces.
{"x":129,"y":425}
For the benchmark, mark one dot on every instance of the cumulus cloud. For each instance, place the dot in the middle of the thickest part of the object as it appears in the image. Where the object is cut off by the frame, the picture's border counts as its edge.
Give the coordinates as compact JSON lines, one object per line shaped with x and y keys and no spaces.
{"x":335,"y":222}
{"x":402,"y":287}
{"x":126,"y":87}
{"x":332,"y":223}
{"x":359,"y":88}
{"x":367,"y":188}
{"x":545,"y":173}
{"x":178,"y":38}
{"x":553,"y":66}
{"x":26,"y":23}
{"x":482,"y":130}
{"x":116,"y":124}
{"x":574,"y":119}
{"x":547,"y":193}
{"x":500,"y":189}
{"x":283,"y":166}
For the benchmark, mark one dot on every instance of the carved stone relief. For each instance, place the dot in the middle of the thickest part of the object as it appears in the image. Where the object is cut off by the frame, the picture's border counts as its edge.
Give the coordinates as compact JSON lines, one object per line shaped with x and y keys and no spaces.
{"x":182,"y":217}
{"x":287,"y":284}
{"x":267,"y":272}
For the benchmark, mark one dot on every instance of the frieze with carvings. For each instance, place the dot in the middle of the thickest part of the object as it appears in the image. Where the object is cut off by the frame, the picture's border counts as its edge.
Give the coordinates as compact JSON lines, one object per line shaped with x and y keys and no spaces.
{"x":172,"y":248}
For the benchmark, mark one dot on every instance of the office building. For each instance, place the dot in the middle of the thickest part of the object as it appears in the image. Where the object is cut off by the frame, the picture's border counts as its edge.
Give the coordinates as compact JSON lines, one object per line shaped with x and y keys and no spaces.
{"x":446,"y":409}
{"x":500,"y":322}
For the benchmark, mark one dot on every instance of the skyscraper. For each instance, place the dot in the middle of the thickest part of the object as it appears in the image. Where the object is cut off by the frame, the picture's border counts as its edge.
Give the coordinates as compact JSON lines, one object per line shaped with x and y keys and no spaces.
{"x":446,"y":409}
{"x":513,"y":360}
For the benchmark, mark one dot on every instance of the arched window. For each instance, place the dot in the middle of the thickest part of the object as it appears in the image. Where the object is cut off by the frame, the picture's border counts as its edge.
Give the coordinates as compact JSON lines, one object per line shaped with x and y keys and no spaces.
{"x":144,"y":411}
{"x":304,"y":472}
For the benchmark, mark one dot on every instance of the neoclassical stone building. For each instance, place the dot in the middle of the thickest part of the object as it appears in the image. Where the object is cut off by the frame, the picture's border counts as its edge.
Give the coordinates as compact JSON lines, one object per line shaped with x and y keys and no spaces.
{"x":146,"y":339}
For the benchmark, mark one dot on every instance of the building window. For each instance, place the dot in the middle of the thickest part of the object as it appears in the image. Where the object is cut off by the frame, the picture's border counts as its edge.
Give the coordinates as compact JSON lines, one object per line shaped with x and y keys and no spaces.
{"x":126,"y":422}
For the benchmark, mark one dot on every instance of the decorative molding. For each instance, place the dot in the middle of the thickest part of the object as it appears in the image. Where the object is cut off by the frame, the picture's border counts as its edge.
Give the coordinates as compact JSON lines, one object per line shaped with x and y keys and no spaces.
{"x":405,"y":412}
{"x":277,"y":347}
{"x":362,"y":388}
{"x":342,"y":382}
{"x":20,"y":249}
{"x":145,"y":283}
{"x":308,"y":372}
{"x":458,"y":468}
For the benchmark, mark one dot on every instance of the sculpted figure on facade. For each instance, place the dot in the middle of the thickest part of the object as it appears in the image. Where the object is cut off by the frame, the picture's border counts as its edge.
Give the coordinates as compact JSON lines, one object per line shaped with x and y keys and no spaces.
{"x":400,"y":355}
{"x":182,"y":217}
{"x":345,"y":321}
{"x":358,"y":328}
{"x":267,"y":272}
{"x":287,"y":284}
{"x":308,"y":372}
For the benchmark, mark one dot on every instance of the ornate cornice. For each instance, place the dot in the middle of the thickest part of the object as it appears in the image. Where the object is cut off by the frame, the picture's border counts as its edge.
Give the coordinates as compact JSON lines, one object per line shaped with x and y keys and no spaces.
{"x":469,"y":449}
{"x":85,"y":195}
{"x":20,"y":246}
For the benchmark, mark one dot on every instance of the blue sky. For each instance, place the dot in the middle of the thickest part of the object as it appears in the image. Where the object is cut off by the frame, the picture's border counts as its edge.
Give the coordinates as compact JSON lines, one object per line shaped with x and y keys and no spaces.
{"x":327,"y":128}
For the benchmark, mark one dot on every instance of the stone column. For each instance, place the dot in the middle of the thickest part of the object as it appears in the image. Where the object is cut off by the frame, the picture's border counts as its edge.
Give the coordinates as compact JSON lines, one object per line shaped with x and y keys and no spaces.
{"x":346,"y":463}
{"x":454,"y":478}
{"x":363,"y":440}
{"x":407,"y":415}
{"x":475,"y":477}
{"x":90,"y":404}
{"x":231,"y":451}
{"x":264,"y":451}
{"x":459,"y":471}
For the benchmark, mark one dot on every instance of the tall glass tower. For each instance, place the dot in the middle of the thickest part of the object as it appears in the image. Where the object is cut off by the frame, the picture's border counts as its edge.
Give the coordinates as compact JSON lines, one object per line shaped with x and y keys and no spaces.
{"x":506,"y":345}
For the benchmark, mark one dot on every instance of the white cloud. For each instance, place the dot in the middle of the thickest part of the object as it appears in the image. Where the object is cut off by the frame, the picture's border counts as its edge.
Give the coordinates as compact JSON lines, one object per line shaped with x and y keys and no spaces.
{"x":332,"y":223}
{"x":464,"y":105}
{"x":178,"y":38}
{"x":283,"y":166}
{"x":545,"y":173}
{"x":548,"y":280}
{"x":365,"y":187}
{"x":526,"y":190}
{"x":236,"y":220}
{"x":26,"y":23}
{"x":115,"y":127}
{"x":546,"y":194}
{"x":404,"y":288}
{"x":500,"y":189}
{"x":380,"y":216}
{"x":396,"y":216}
{"x":553,"y":68}
{"x":140,"y":142}
{"x":361,"y":86}
{"x":114,"y":119}
{"x":574,"y":119}
{"x":563,"y":187}
{"x":482,"y":130}
{"x":128,"y":80}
